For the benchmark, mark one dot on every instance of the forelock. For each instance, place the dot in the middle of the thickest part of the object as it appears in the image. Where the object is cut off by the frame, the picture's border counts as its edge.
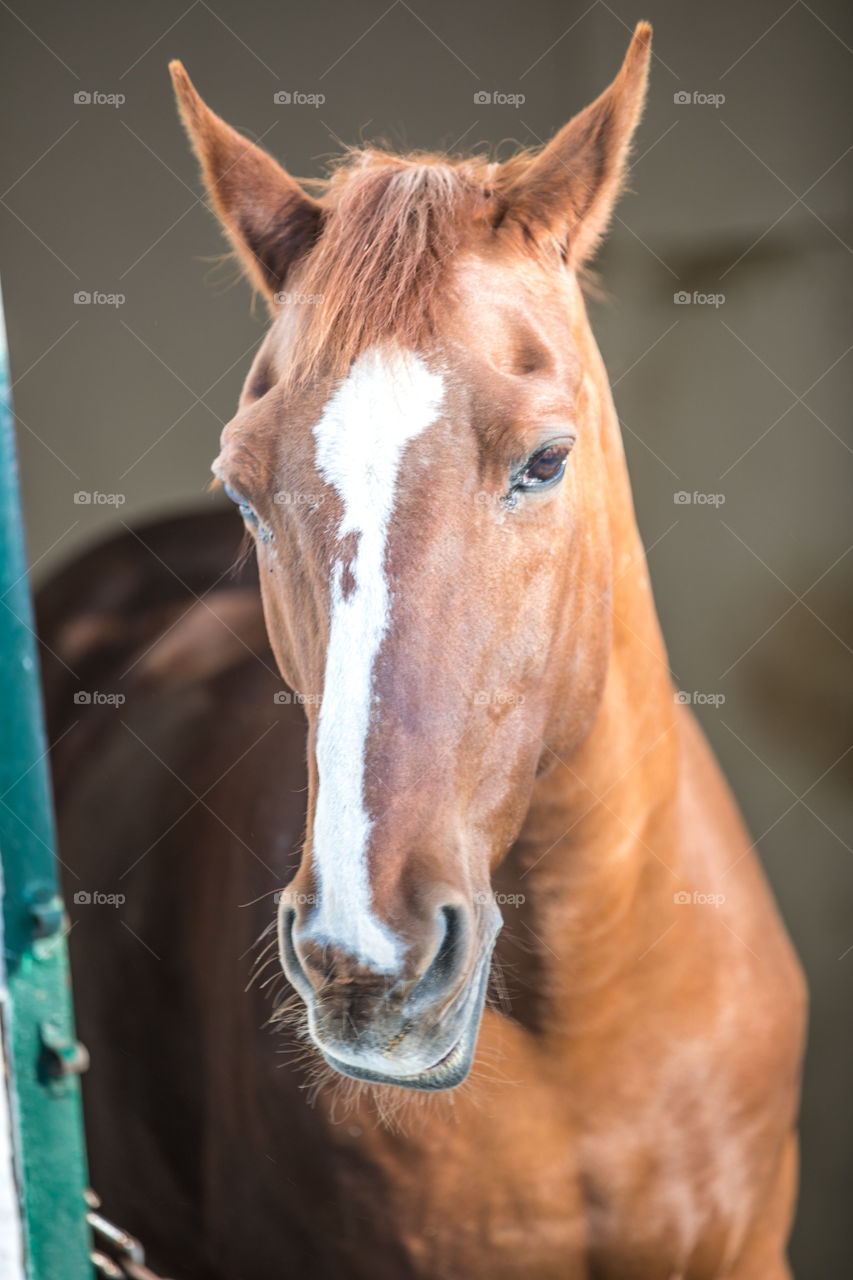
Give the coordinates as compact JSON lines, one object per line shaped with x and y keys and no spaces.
{"x":391,"y":227}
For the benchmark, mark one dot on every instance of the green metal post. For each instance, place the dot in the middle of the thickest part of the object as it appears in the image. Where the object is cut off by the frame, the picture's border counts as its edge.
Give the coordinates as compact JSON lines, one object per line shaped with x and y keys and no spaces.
{"x":38,"y":1030}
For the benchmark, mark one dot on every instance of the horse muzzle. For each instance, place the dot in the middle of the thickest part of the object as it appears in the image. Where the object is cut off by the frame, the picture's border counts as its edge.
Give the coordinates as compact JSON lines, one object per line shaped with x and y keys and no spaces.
{"x":416,"y":1029}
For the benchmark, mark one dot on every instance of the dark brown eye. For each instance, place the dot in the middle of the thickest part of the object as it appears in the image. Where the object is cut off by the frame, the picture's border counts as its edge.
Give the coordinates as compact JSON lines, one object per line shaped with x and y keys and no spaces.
{"x":545,"y":468}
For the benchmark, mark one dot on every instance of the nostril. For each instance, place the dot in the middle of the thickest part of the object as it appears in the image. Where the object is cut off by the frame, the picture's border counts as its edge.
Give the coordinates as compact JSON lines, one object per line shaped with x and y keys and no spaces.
{"x":289,"y":956}
{"x":448,"y":961}
{"x":446,"y":957}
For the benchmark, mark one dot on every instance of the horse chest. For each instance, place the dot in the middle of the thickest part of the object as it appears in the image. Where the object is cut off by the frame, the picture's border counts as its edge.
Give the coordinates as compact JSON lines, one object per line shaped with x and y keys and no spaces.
{"x":492,"y":1193}
{"x":462,"y":1209}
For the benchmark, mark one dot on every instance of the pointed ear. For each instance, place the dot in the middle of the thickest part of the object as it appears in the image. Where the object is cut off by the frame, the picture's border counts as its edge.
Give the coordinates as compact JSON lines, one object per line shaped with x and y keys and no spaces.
{"x":269,"y":219}
{"x":570,"y":188}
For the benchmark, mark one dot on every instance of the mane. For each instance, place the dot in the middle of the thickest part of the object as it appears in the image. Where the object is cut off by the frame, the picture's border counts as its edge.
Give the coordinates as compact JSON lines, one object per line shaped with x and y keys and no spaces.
{"x":390,"y":226}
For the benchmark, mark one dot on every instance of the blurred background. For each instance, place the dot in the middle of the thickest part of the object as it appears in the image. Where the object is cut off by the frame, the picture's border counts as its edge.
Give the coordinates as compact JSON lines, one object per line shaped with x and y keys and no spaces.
{"x":727,"y":333}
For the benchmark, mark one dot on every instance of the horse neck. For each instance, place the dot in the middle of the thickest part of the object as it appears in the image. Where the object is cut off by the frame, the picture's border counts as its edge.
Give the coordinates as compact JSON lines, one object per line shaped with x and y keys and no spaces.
{"x":597,"y":859}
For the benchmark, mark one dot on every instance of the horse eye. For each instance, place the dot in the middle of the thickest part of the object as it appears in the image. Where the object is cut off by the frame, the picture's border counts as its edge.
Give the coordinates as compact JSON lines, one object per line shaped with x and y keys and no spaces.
{"x":245,"y":508}
{"x":544,"y":468}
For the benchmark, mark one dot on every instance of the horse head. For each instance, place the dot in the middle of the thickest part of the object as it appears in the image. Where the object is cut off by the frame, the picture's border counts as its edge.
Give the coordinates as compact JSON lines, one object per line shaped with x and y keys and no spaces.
{"x":419,"y":457}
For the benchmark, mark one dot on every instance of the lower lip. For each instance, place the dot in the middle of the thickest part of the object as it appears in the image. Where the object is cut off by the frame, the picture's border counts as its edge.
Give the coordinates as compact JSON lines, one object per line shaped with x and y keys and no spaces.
{"x":448,"y":1063}
{"x":450,"y":1059}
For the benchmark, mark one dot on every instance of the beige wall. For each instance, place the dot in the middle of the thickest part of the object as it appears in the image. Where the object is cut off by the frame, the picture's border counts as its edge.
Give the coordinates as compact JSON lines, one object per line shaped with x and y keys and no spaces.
{"x":749,"y":399}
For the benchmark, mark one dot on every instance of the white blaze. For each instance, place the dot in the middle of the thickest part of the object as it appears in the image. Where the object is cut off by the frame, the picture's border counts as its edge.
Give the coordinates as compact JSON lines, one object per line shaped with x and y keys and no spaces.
{"x":385,"y":402}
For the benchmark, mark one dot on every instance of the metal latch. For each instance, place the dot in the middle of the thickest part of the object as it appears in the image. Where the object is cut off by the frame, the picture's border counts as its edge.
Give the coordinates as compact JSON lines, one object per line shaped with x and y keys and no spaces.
{"x":117,"y":1254}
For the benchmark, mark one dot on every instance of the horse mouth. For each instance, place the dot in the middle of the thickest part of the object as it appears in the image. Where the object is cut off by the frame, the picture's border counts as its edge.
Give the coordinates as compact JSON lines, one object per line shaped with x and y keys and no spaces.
{"x":447,"y":1072}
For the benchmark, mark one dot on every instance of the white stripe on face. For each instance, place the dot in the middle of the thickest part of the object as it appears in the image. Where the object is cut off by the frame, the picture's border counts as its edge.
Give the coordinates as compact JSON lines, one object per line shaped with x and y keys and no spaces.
{"x":385,"y":402}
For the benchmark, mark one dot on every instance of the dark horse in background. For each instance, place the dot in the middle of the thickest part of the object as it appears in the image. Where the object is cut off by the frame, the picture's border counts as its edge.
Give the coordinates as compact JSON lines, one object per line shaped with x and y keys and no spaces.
{"x":468,"y":714}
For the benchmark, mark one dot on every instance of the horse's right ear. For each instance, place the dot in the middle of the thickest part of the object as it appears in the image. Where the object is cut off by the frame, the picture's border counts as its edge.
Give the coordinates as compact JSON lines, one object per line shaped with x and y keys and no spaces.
{"x":268,"y":217}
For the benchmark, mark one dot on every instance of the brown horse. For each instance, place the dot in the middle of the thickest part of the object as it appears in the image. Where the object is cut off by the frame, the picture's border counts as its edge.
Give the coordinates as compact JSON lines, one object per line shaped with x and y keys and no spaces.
{"x":481,"y":724}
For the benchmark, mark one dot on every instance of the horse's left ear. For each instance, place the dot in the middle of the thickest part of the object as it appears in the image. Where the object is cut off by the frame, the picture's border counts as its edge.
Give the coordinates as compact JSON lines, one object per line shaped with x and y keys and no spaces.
{"x":570,"y":188}
{"x":269,"y":218}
